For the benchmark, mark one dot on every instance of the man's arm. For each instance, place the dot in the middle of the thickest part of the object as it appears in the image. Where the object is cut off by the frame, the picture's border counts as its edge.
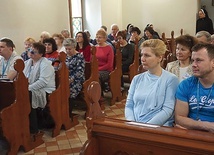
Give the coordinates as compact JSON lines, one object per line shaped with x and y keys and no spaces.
{"x":11,"y":75}
{"x":181,"y":118}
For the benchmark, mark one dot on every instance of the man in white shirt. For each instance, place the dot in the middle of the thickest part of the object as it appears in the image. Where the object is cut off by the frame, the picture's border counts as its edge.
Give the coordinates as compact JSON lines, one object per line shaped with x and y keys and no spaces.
{"x":7,"y":58}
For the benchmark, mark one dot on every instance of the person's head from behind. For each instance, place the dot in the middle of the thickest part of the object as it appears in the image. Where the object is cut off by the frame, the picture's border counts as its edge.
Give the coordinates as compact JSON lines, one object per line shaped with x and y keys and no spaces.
{"x":88,"y":34}
{"x":44,"y":35}
{"x":203,"y":37}
{"x":152,"y":52}
{"x":121,"y":36}
{"x":65,"y":33}
{"x":104,"y":28}
{"x":101,"y":36}
{"x":37,"y":51}
{"x":149,"y":32}
{"x":203,"y":60}
{"x":6,"y":47}
{"x":58,"y":39}
{"x":114,"y":29}
{"x":50,"y":45}
{"x":184,"y":44}
{"x":135,"y":32}
{"x":28,"y":43}
{"x":70,"y":45}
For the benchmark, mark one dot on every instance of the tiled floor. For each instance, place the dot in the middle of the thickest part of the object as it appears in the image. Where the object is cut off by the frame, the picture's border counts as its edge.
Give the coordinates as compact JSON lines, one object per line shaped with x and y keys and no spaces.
{"x":70,"y":142}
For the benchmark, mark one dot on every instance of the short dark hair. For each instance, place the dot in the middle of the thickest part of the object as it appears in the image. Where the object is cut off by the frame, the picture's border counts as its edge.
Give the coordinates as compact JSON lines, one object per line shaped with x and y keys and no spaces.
{"x":40,"y":47}
{"x":208,"y":47}
{"x":122,"y":34}
{"x":136,"y":29}
{"x":186,"y":40}
{"x":9,"y":43}
{"x":150,"y":29}
{"x":51,"y":41}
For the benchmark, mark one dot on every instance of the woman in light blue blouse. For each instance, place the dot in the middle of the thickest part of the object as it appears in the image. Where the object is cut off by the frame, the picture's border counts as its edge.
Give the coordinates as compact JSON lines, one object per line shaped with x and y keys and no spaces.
{"x":151,"y":97}
{"x":76,"y":66}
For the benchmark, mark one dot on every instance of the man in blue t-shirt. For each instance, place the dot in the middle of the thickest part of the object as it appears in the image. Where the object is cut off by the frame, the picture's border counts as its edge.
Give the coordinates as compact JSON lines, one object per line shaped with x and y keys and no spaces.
{"x":195,"y":95}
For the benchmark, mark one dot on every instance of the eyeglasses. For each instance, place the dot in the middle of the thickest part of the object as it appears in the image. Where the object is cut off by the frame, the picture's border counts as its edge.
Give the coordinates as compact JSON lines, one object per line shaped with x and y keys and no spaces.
{"x":78,"y":37}
{"x":32,"y":51}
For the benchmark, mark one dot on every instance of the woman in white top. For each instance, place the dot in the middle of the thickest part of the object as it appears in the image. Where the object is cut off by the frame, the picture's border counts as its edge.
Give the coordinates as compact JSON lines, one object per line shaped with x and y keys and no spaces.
{"x":182,"y":67}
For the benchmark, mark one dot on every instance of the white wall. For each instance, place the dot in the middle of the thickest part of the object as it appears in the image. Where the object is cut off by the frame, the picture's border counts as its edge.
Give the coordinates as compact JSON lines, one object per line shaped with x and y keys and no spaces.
{"x":28,"y":18}
{"x":93,"y":16}
{"x":165,"y":15}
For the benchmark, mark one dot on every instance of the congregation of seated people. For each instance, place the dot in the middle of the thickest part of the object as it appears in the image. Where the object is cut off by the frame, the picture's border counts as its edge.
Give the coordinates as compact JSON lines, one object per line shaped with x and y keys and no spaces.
{"x":180,"y":95}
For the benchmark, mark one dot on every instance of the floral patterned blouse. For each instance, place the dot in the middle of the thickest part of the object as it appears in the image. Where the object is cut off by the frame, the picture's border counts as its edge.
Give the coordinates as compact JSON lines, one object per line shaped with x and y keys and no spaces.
{"x":76,"y":67}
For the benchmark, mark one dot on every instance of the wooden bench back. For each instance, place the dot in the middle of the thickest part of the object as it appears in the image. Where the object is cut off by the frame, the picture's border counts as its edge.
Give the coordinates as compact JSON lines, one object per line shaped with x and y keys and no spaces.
{"x":15,"y":116}
{"x":59,"y":99}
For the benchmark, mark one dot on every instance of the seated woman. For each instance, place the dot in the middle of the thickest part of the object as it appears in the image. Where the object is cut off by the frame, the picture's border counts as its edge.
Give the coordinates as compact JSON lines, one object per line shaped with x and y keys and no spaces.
{"x":51,"y":51}
{"x":151,"y":97}
{"x":83,"y":45}
{"x":59,"y":40}
{"x":127,"y":51}
{"x":182,"y":67}
{"x":105,"y":56}
{"x":150,"y":33}
{"x":41,"y":77}
{"x":28,"y":44}
{"x":76,"y":66}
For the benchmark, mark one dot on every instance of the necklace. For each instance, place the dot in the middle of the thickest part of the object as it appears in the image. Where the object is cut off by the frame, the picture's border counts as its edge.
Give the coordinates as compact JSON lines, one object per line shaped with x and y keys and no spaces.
{"x":198,"y":98}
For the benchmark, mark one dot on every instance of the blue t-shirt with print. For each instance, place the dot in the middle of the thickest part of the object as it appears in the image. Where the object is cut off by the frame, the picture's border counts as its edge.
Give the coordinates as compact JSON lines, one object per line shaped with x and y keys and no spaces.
{"x":190,"y":90}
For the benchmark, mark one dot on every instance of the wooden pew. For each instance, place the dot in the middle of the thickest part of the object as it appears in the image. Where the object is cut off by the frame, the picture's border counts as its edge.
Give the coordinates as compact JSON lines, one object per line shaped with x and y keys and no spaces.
{"x":93,"y":76}
{"x":115,"y":79}
{"x":15,"y":110}
{"x":59,"y":100}
{"x":109,"y":136}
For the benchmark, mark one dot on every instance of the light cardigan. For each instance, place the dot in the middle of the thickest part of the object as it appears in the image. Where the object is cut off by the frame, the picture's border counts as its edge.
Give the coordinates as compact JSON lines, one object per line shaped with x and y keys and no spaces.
{"x":151,"y":98}
{"x":173,"y":67}
{"x":41,"y":78}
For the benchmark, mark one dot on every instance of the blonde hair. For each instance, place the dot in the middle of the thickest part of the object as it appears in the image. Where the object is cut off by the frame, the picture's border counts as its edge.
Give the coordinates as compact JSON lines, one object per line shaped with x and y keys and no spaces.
{"x":157,"y":46}
{"x":102,"y":33}
{"x":31,"y":40}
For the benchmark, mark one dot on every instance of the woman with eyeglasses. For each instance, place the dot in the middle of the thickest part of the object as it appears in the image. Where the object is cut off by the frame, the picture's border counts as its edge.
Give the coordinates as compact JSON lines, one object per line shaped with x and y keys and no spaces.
{"x":83,"y":45}
{"x":41,"y":78}
{"x":182,"y":67}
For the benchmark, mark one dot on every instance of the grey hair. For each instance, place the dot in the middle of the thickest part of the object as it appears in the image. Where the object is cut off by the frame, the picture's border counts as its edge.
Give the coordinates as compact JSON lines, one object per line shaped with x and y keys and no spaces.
{"x":204,"y":33}
{"x":70,"y":42}
{"x":212,"y":37}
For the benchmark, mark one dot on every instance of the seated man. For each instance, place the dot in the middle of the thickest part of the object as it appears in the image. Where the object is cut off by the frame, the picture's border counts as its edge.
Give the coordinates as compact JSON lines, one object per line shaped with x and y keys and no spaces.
{"x":203,"y":37}
{"x":195,"y":95}
{"x":7,"y":58}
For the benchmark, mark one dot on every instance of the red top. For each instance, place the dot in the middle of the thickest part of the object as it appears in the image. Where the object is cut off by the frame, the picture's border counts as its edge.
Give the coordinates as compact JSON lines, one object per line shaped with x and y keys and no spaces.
{"x":86,"y":53}
{"x":105,"y":56}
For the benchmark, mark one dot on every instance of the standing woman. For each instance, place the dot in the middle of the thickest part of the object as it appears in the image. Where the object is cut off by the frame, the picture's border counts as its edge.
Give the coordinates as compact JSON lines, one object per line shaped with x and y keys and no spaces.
{"x":127,"y":51}
{"x":204,"y":23}
{"x":76,"y":66}
{"x":105,"y":56}
{"x":83,"y":45}
{"x":151,"y":97}
{"x":182,"y":67}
